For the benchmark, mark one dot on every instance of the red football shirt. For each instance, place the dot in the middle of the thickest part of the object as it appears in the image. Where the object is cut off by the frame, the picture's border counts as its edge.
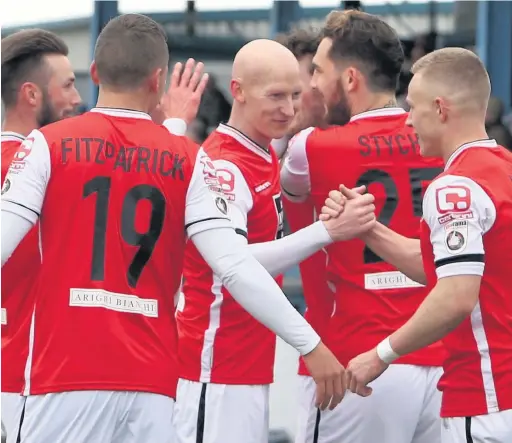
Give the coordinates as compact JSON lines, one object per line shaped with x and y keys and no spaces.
{"x":18,"y":276}
{"x":114,"y":191}
{"x":219,"y":341}
{"x":467,"y":231}
{"x":378,"y":150}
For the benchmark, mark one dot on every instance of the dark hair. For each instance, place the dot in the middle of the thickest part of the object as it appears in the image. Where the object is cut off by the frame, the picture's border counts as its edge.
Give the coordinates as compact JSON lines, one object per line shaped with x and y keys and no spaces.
{"x":300,"y":42}
{"x":23,"y":59}
{"x":368,"y":41}
{"x":129,"y":48}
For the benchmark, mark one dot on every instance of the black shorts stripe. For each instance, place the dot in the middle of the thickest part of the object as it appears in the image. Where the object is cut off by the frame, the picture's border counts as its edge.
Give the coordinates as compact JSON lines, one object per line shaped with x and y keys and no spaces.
{"x":242,"y":232}
{"x":23,"y":206}
{"x":205,"y":219}
{"x":474,"y":258}
{"x":201,"y":413}
{"x":18,"y":438}
{"x":316,"y":431}
{"x":469,"y":439}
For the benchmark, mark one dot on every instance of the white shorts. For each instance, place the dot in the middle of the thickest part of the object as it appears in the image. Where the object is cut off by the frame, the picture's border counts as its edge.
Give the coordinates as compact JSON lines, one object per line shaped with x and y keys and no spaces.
{"x":12,"y":405}
{"x":97,"y":417}
{"x":215,"y":413}
{"x":490,"y":428}
{"x":403,"y":408}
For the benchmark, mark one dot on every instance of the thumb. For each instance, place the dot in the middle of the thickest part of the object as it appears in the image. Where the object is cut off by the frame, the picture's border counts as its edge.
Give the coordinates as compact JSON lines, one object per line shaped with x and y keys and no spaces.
{"x":360,"y":189}
{"x":349,"y":193}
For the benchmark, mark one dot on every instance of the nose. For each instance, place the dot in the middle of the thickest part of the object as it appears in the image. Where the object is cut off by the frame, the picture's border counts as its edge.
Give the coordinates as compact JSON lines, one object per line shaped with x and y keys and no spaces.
{"x":75,"y":98}
{"x":408,"y":122}
{"x":289,"y":108}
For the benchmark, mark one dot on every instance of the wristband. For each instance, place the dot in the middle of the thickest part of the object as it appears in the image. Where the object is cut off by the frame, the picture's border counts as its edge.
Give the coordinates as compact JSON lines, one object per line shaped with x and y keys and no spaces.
{"x":385,"y":351}
{"x":176,"y":126}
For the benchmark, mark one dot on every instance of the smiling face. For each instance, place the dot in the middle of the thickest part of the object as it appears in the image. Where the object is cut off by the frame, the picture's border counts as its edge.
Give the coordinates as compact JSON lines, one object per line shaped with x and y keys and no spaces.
{"x":272,"y":100}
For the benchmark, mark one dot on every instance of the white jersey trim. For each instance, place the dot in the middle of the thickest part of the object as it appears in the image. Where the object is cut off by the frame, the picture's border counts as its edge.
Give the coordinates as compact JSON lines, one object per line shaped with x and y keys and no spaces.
{"x":245,"y":141}
{"x":381,"y":112}
{"x":10,"y":136}
{"x":118,"y":112}
{"x":476,"y":144}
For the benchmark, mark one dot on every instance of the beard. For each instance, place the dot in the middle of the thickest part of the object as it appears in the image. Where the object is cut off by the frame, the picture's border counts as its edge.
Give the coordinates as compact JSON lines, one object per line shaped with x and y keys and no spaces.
{"x":47,"y":114}
{"x":339,"y":113}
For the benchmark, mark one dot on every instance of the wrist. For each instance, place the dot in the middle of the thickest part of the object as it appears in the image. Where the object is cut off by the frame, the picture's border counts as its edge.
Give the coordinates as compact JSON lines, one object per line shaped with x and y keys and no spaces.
{"x":321,"y":232}
{"x":176,"y":126}
{"x":386,"y":352}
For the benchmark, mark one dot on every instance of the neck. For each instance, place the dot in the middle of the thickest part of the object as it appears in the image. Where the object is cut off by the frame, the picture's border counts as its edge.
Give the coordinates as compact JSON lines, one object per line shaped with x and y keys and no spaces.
{"x":19,"y":121}
{"x":237,"y":121}
{"x":136,"y":101}
{"x":374,"y":101}
{"x":465,"y":130}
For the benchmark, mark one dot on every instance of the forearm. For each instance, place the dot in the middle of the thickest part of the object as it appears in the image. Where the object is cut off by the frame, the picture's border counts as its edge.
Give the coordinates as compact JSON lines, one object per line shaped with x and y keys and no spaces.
{"x":440,"y":313}
{"x":402,"y":252}
{"x":253,"y":288}
{"x":279,"y":255}
{"x":14,"y":229}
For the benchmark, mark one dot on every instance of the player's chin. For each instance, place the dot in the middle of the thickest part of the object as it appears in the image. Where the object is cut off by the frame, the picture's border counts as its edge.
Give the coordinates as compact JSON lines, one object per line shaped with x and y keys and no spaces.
{"x":280,"y":128}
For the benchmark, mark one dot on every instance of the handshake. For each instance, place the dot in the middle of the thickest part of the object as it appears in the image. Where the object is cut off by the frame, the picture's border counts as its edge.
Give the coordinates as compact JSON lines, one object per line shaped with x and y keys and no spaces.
{"x":348,"y":213}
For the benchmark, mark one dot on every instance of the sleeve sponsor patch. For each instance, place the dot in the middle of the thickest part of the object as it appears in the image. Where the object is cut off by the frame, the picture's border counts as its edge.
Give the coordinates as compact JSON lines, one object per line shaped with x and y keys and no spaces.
{"x":456,"y":236}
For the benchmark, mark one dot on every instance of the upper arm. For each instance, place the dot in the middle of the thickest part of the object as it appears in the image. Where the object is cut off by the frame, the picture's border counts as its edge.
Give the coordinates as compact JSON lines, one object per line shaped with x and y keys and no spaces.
{"x":26,"y":181}
{"x":237,"y":193}
{"x":459,"y":213}
{"x":295,"y":179}
{"x":205,"y":207}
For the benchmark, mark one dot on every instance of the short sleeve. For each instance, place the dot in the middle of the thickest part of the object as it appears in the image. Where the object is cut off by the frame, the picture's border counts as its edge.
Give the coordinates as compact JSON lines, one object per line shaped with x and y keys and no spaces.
{"x":295,"y":179}
{"x":459,"y":213}
{"x":237,"y":192}
{"x":25,"y":185}
{"x":206,"y":207}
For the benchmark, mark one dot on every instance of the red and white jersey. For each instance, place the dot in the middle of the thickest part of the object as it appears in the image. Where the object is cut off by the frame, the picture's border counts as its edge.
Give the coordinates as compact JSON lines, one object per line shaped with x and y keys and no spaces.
{"x":114,"y":192}
{"x":378,"y":150}
{"x":466,"y":230}
{"x":219,"y":341}
{"x":18,"y":276}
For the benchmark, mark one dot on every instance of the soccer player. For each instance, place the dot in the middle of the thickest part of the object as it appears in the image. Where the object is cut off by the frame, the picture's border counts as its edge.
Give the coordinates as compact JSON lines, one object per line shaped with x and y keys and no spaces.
{"x":464,"y":250}
{"x":227,"y":356}
{"x":356,"y":69}
{"x":38,"y":88}
{"x":303,"y":43}
{"x":117,"y":194}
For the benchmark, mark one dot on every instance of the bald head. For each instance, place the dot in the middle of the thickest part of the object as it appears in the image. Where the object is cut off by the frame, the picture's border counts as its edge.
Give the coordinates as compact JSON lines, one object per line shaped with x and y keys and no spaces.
{"x":266,"y":88}
{"x":456,"y":74}
{"x":260,"y":60}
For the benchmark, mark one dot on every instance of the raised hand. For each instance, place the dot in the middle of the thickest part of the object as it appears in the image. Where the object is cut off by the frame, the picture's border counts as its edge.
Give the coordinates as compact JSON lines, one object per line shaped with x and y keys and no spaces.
{"x":184,"y":94}
{"x":329,"y":376}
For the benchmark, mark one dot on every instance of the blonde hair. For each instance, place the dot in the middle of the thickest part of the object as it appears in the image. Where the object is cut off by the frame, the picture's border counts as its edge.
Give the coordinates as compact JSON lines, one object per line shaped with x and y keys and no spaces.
{"x":461,"y":72}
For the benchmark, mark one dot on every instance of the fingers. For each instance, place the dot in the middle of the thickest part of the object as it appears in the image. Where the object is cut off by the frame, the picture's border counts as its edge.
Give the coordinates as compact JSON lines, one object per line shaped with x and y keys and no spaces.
{"x":338,"y":391}
{"x":202,"y":84}
{"x":329,"y":390}
{"x":324,"y":217}
{"x":328,"y":213}
{"x":320,"y":394}
{"x":176,"y":75}
{"x":187,"y":72}
{"x":349,"y":193}
{"x":337,"y":197}
{"x":196,"y":76}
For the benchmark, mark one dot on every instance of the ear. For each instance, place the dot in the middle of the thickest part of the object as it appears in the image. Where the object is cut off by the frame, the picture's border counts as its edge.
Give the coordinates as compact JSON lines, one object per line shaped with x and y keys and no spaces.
{"x":31,"y":93}
{"x":94,"y":73}
{"x":237,"y":91}
{"x":350,"y":79}
{"x":441,"y":108}
{"x":157,"y":80}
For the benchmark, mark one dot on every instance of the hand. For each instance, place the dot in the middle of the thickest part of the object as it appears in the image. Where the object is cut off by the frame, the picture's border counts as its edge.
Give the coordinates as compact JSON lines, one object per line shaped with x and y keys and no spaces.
{"x":184,"y":94}
{"x":362,"y":370}
{"x":335,"y":203}
{"x":329,"y":376}
{"x":357,"y":216}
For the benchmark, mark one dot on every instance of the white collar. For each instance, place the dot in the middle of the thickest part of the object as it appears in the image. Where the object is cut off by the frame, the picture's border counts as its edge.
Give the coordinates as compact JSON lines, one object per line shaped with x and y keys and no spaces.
{"x":118,"y":112}
{"x":381,"y":112}
{"x":487,"y":143}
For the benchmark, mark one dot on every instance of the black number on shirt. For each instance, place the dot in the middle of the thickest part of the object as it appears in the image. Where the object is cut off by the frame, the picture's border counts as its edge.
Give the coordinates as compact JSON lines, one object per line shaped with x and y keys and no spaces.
{"x":278,"y":201}
{"x":416,"y":177}
{"x":144,"y":240}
